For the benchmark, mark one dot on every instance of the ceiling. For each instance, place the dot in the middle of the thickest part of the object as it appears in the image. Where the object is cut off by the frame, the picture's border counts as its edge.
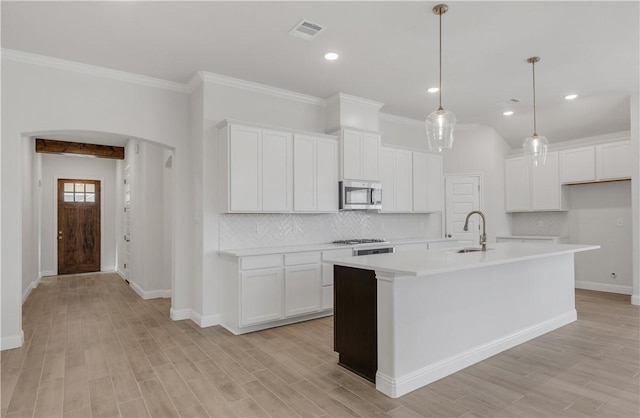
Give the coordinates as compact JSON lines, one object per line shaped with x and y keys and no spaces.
{"x":388,"y":52}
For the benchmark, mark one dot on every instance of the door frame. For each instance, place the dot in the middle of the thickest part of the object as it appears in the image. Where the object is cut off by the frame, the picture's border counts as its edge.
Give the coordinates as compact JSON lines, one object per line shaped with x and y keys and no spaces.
{"x":55,"y":217}
{"x":480,"y":177}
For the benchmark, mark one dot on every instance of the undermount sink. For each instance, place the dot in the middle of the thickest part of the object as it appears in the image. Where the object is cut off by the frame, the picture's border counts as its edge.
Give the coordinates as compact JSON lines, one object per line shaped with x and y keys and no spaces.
{"x":470,"y":250}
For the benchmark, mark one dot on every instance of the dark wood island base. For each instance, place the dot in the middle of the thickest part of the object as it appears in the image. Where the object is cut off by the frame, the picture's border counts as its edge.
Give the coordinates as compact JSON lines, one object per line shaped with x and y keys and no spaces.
{"x":356,"y":320}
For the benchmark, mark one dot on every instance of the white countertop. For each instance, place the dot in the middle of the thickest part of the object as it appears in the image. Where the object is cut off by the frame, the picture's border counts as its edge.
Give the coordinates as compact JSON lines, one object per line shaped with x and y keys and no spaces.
{"x":244,"y":252}
{"x":531,"y":236}
{"x":424,"y":263}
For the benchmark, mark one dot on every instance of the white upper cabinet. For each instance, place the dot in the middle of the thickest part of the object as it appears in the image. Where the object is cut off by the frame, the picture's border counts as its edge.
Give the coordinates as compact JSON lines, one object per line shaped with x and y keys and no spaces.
{"x":397,"y":178}
{"x":578,"y":165}
{"x":428,"y":182}
{"x":315,"y":162}
{"x":613,"y":161}
{"x":261,"y":170}
{"x":276,"y":171}
{"x":359,"y":156}
{"x":545,"y":185}
{"x":256,"y":168}
{"x":530,"y":188}
{"x":609,"y":161}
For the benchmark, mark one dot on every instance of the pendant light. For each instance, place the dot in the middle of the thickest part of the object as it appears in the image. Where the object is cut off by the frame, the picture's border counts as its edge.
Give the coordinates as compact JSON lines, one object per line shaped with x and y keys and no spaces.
{"x":440,"y":124}
{"x":535,"y":147}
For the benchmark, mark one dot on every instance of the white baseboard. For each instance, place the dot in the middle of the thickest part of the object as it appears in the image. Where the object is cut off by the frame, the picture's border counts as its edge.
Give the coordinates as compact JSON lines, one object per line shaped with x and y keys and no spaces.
{"x":635,"y":299}
{"x":109,"y":268}
{"x":149,"y":294}
{"x":179,"y":314}
{"x":205,"y":321}
{"x":604,"y":287}
{"x":47,"y":273}
{"x":29,"y":288}
{"x":396,"y":387}
{"x":201,"y":321}
{"x":13,"y":341}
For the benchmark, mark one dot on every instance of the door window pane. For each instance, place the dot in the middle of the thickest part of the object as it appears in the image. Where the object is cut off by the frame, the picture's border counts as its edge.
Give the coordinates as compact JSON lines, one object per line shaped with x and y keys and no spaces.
{"x":90,"y":197}
{"x":90,"y":188}
{"x":68,"y":197}
{"x":79,"y":197}
{"x":79,"y":187}
{"x":68,"y":187}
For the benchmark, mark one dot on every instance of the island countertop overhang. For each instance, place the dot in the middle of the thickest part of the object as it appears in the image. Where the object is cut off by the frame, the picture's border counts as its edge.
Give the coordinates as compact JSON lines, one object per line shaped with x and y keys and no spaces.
{"x":429,"y":262}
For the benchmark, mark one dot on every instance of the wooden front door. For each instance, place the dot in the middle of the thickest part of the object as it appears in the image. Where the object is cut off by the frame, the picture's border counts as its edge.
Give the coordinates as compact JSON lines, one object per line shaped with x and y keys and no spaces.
{"x":78,"y":226}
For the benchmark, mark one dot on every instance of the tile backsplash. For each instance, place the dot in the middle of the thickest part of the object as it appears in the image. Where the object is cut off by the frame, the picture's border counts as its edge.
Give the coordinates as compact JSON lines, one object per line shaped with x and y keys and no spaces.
{"x":540,"y":223}
{"x":271,"y":230}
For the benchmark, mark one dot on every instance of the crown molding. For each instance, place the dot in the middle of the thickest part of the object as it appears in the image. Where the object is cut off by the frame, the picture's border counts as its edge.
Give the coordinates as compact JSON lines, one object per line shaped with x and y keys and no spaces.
{"x":61,"y":64}
{"x":342,"y":97}
{"x":224,"y":80}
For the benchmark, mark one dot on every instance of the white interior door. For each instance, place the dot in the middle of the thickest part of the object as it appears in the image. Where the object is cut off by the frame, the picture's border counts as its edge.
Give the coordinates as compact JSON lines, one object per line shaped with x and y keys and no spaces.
{"x":463,"y":196}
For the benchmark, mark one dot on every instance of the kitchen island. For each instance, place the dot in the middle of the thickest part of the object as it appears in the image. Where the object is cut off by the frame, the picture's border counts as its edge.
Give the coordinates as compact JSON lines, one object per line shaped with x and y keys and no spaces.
{"x":438,"y":312}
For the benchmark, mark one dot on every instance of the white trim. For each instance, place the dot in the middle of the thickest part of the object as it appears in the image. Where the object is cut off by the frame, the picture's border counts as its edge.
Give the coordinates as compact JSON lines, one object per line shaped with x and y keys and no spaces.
{"x":47,"y":273}
{"x":14,"y":341}
{"x":149,"y":294}
{"x":635,"y":299}
{"x":109,"y":269}
{"x":414,"y":380}
{"x":205,"y":321}
{"x":256,"y":87}
{"x":604,"y":287}
{"x":29,"y":288}
{"x":179,"y":314}
{"x":342,"y":97}
{"x":94,"y":70}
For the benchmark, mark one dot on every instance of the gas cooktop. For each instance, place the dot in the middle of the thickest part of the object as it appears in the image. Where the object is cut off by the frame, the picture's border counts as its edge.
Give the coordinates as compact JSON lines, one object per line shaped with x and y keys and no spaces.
{"x":359,"y":241}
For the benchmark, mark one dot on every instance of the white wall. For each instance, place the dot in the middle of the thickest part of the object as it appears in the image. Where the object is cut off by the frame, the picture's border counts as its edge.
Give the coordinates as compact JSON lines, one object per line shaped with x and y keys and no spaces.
{"x":595,"y":210}
{"x":30,"y":199}
{"x":635,"y":195}
{"x":45,"y":95}
{"x":56,"y":167}
{"x":148,"y":270}
{"x":480,"y":150}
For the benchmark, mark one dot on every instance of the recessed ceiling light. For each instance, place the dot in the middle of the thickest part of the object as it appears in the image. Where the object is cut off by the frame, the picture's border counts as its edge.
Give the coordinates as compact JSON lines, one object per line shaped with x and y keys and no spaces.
{"x":508,"y":113}
{"x":433,"y":90}
{"x":331,"y":56}
{"x":570,"y":96}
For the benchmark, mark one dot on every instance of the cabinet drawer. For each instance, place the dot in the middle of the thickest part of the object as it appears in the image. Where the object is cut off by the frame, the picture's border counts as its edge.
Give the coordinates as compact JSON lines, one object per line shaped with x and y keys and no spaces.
{"x":260,"y":262}
{"x":295,"y":259}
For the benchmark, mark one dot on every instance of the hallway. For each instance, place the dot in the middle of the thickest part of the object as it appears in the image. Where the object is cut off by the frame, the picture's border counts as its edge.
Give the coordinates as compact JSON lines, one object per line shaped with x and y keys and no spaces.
{"x":93,"y":348}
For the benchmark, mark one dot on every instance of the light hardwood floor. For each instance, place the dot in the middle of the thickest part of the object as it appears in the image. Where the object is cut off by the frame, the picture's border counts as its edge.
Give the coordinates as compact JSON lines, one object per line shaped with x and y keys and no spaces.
{"x":93,"y":348}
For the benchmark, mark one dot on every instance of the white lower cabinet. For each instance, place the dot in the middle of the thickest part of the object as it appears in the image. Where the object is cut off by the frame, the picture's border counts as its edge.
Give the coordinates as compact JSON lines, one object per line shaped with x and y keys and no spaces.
{"x":260,"y":296}
{"x":301,"y":289}
{"x":263,"y":291}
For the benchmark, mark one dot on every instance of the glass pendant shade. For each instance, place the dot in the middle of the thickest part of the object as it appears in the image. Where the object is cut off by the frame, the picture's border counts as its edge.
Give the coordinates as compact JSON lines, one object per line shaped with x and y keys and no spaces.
{"x":535,"y":149}
{"x":440,"y":125}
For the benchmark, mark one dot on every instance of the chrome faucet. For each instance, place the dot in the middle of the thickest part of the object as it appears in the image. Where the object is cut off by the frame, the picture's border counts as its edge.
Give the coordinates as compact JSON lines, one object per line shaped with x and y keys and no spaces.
{"x":483,"y":237}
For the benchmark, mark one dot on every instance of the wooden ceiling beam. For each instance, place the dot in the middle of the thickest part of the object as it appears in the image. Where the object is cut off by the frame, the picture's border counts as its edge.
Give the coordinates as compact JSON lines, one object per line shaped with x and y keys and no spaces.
{"x":51,"y":146}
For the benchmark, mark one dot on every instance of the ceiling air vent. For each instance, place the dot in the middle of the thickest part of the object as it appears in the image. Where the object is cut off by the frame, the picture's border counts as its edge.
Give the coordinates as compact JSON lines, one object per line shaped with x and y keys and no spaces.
{"x":509,"y":102}
{"x":306,"y":29}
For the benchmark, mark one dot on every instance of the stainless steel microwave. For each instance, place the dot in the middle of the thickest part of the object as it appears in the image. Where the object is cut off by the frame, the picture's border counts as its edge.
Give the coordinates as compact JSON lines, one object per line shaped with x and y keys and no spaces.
{"x":360,"y":195}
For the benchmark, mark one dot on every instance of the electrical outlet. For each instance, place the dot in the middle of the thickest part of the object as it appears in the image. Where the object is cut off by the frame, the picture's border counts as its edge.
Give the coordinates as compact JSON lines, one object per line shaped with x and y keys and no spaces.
{"x":619,"y":222}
